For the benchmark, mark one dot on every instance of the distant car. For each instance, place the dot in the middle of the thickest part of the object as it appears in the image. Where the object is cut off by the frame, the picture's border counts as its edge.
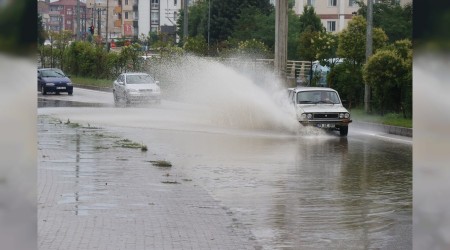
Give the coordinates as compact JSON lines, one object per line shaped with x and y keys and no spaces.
{"x":320,"y":107}
{"x":136,"y":88}
{"x":53,"y":80}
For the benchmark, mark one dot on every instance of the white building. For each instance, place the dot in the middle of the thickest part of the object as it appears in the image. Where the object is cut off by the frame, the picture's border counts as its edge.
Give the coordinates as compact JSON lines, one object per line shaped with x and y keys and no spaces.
{"x":335,"y":14}
{"x":157,"y":16}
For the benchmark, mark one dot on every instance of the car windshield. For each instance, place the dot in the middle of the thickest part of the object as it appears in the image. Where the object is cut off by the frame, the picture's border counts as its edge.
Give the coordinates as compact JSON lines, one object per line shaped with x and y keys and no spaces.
{"x":52,"y":73}
{"x":138,"y":79}
{"x":319,"y":96}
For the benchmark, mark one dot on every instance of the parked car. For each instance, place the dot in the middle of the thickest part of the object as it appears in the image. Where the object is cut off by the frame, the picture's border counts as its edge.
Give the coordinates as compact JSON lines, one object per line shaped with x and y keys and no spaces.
{"x":320,"y":107}
{"x":136,"y":87}
{"x":53,"y":80}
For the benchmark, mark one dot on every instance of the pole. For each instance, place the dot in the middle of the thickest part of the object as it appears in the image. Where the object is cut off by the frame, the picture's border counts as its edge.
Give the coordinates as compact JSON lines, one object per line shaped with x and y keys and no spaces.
{"x":185,"y":22}
{"x":209,"y":19}
{"x":78,"y":20}
{"x":281,"y":29}
{"x":367,"y":107}
{"x":99,"y":23}
{"x":107,"y":15}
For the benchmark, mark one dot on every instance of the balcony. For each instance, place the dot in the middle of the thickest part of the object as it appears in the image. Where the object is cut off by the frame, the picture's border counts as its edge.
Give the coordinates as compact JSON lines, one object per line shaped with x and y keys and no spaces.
{"x":118,"y":9}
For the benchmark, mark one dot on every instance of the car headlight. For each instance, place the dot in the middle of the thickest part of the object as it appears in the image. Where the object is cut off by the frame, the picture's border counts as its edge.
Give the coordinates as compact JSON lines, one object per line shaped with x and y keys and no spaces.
{"x":69,"y":84}
{"x":341,"y":115}
{"x":309,"y":116}
{"x":49,"y":84}
{"x":303,"y":116}
{"x":347,"y":115}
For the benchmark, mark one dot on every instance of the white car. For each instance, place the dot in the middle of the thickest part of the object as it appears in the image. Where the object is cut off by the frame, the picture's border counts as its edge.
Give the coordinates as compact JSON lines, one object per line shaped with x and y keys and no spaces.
{"x":320,"y":107}
{"x":136,"y":88}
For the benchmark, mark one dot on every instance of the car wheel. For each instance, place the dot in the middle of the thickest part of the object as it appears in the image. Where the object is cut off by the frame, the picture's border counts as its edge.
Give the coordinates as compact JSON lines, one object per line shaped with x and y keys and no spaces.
{"x":44,"y":92}
{"x":343,"y":131}
{"x":70,"y":92}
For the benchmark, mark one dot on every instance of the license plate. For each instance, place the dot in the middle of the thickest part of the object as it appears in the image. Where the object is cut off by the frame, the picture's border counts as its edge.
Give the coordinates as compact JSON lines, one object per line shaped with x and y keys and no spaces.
{"x":60,"y":87}
{"x":325,"y":125}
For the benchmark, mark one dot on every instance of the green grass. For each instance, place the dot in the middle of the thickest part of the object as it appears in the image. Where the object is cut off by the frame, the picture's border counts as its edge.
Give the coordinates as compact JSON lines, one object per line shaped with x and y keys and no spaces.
{"x":388,"y":119}
{"x":85,"y":81}
{"x":164,"y":164}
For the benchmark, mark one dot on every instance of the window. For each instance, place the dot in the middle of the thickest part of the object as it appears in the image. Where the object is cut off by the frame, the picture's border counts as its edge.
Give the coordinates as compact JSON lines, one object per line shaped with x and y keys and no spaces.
{"x":154,"y":18}
{"x":68,"y":22}
{"x":332,"y":3}
{"x":310,"y":2}
{"x":126,"y":2}
{"x":155,"y":1}
{"x":175,"y":15}
{"x":175,"y":2}
{"x":126,"y":14}
{"x":331,"y":26}
{"x":69,"y":12}
{"x":351,"y":3}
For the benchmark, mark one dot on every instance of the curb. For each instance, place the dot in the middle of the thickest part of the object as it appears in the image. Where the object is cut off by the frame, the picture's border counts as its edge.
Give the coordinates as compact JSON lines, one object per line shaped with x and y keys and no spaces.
{"x":104,"y":89}
{"x":388,"y":129}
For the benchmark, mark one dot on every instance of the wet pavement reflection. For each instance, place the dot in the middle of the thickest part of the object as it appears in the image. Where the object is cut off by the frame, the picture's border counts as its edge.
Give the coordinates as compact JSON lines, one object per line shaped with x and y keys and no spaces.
{"x":295,"y":191}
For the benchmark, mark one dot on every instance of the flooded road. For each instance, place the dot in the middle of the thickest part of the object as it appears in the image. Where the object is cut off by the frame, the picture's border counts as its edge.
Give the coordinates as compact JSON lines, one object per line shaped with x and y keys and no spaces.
{"x":303,"y":190}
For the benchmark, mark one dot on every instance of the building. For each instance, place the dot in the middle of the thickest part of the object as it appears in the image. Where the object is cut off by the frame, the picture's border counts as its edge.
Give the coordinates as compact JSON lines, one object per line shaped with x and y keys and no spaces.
{"x":158,"y":16}
{"x":62,"y":15}
{"x":335,"y":14}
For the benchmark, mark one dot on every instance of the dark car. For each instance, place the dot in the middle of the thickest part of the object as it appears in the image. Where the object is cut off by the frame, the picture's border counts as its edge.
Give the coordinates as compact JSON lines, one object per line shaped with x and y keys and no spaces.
{"x":53,"y":80}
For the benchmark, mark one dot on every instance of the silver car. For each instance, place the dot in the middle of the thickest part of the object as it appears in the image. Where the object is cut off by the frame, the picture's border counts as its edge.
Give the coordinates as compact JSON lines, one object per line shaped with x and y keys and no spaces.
{"x":320,"y":107}
{"x":136,"y":88}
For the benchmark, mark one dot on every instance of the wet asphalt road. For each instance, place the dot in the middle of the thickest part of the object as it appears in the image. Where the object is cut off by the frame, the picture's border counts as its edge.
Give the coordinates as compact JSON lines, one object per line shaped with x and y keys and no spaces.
{"x":309,"y":190}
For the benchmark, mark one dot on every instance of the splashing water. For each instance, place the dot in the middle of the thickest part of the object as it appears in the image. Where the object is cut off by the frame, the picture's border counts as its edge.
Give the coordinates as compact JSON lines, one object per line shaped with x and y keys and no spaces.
{"x":243,"y":98}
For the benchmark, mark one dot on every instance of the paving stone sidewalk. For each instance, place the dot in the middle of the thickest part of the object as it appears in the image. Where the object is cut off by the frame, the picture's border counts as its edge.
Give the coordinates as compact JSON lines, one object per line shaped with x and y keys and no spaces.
{"x":95,"y":194}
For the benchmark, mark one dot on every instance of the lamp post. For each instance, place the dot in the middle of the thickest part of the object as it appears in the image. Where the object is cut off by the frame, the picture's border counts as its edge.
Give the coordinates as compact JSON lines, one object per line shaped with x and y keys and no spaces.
{"x":368,"y":52}
{"x":209,"y":19}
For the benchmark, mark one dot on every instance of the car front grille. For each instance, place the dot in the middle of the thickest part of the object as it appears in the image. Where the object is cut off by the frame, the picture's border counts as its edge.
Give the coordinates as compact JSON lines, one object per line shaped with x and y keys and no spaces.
{"x":145,"y":90}
{"x":326,"y":116}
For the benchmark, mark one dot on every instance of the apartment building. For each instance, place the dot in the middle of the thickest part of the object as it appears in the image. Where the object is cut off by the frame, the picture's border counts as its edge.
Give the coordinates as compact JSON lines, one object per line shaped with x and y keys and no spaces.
{"x":62,"y":15}
{"x":335,"y":14}
{"x":158,"y":16}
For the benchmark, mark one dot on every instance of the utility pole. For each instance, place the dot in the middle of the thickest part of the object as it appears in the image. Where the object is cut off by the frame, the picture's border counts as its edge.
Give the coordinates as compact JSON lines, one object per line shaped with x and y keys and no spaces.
{"x":99,"y":23}
{"x":185,"y":21}
{"x":367,"y":107}
{"x":107,"y":15}
{"x":209,"y":20}
{"x":78,"y":20}
{"x":281,"y":30}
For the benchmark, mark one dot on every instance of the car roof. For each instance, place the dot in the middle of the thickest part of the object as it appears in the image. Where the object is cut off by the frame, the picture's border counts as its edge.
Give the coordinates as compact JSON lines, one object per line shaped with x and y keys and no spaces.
{"x":298,"y":89}
{"x":135,"y":73}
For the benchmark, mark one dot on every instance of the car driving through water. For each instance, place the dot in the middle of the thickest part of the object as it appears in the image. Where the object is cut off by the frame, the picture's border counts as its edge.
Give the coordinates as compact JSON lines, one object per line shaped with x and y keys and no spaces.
{"x":320,"y":107}
{"x":136,"y":88}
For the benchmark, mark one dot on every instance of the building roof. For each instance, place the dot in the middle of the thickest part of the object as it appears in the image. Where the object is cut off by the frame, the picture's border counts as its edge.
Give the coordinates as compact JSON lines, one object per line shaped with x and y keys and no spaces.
{"x":67,"y":3}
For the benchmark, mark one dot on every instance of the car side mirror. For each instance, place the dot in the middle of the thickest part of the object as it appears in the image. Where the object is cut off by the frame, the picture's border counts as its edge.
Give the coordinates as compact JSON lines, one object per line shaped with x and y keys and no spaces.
{"x":345,"y":103}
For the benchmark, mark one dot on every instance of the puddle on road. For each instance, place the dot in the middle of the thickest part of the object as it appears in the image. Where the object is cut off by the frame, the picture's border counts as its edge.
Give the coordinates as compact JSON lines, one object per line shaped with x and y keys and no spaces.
{"x":43,"y":102}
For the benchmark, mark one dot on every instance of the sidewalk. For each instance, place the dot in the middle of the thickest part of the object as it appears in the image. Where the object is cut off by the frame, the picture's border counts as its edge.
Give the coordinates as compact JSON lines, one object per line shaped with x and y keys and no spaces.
{"x":95,"y":195}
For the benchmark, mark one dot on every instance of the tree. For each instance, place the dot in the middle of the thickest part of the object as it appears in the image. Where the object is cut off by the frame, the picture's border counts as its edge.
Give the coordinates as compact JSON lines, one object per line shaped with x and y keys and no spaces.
{"x":310,"y":19}
{"x":196,"y":45}
{"x":394,"y":19}
{"x":389,"y":73}
{"x":254,"y":24}
{"x":223,"y":16}
{"x":352,"y":41}
{"x":41,"y":34}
